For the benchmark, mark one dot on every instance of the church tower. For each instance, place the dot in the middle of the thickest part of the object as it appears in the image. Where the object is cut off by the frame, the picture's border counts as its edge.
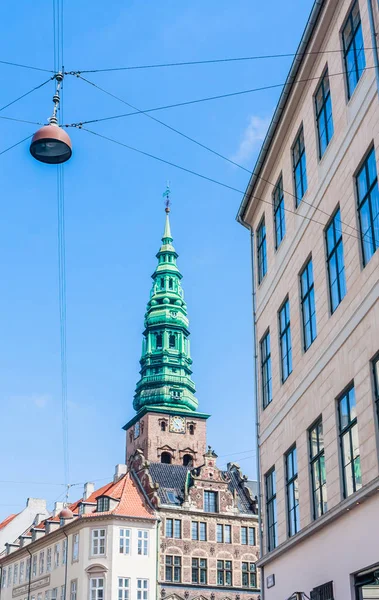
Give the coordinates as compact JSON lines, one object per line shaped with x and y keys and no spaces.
{"x":167,"y":427}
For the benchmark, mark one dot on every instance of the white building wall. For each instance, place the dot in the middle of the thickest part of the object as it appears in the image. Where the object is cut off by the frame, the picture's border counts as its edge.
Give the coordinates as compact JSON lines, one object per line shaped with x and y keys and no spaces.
{"x":110,"y":566}
{"x":35,"y":508}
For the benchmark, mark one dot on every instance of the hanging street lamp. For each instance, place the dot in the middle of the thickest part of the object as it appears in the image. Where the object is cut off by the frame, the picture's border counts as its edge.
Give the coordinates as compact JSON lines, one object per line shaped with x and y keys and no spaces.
{"x":51,"y":144}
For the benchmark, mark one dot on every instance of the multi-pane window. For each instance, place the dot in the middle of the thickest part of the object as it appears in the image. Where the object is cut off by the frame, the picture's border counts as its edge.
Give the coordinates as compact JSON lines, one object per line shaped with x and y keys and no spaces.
{"x":285,"y":340}
{"x":271,"y":511}
{"x":123,"y":588}
{"x":41,"y":562}
{"x":368,"y":206}
{"x":102,"y":504}
{"x":375,"y":366}
{"x":324,"y":116}
{"x":34,"y":565}
{"x":124,"y":540}
{"x":266,"y":370}
{"x":353,"y":50}
{"x":4,"y":578}
{"x":299,"y":167}
{"x":248,"y":536}
{"x":224,"y":572}
{"x":249,"y":575}
{"x":15,"y":574}
{"x":9,"y":576}
{"x":224,"y":534}
{"x":279,"y":216}
{"x":74,"y":589}
{"x":308,"y":306}
{"x":96,"y":586}
{"x":63,"y":592}
{"x":22,"y":567}
{"x":54,"y":594}
{"x":75,"y":546}
{"x":318,"y":472}
{"x":142,"y":542}
{"x":261,"y":250}
{"x":98,"y":542}
{"x":335,"y":261}
{"x":28,"y":563}
{"x":348,"y":425}
{"x":199,"y":570}
{"x":174,"y":568}
{"x":292,"y":492}
{"x":199,"y":531}
{"x":210,"y":501}
{"x":57,"y":550}
{"x":142,"y":589}
{"x":64,"y":552}
{"x":173,"y":528}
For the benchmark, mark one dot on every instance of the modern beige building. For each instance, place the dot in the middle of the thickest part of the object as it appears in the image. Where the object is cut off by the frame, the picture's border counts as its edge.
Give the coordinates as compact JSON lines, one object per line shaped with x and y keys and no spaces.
{"x":312,"y":206}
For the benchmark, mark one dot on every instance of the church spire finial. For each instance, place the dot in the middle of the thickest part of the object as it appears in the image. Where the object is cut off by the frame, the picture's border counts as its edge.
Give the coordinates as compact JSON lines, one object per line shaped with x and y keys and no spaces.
{"x":167,"y":237}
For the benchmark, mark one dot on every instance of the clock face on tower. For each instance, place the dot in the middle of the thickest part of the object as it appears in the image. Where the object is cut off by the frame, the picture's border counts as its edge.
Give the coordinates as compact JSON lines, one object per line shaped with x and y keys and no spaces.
{"x":177,"y":424}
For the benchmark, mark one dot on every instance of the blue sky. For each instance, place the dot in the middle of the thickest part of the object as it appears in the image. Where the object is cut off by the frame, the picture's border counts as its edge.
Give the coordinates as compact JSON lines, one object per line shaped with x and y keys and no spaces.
{"x":115,"y":218}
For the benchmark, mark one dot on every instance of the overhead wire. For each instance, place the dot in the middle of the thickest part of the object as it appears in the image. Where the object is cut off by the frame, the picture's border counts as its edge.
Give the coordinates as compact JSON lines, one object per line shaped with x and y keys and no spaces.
{"x":13,"y":64}
{"x":205,"y":147}
{"x":213,"y":61}
{"x":58,"y":43}
{"x":206,"y":178}
{"x":200,"y":100}
{"x":16,"y":144}
{"x":26,"y":94}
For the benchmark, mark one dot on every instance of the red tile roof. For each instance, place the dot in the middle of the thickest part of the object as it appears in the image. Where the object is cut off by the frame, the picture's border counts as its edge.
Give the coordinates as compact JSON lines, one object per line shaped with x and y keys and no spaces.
{"x":7,"y":520}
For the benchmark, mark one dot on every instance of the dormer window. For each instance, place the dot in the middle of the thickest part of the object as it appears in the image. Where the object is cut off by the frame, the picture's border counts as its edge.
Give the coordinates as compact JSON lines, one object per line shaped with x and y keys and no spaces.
{"x":172,"y":341}
{"x":81,"y":509}
{"x":102,"y":504}
{"x":159,"y":341}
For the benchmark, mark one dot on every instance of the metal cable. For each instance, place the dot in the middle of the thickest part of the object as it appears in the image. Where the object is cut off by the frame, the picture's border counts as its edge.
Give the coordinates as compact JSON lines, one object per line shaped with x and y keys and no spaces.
{"x":191,"y":139}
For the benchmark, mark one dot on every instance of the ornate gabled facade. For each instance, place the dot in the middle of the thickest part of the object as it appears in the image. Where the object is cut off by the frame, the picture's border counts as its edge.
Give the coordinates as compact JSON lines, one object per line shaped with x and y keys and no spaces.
{"x":209,"y":524}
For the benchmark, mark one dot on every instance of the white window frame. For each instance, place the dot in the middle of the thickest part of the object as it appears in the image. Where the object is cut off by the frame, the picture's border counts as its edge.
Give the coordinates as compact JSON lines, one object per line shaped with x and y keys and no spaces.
{"x":64,"y":551}
{"x":125,"y":540}
{"x":96,"y":539}
{"x":41,"y":566}
{"x":73,"y":589}
{"x":48,"y":560}
{"x":123,"y":588}
{"x":34,"y":565}
{"x":22,"y":572}
{"x":54,"y":594}
{"x":143,"y":543}
{"x":142,"y":589}
{"x":57,"y":552}
{"x":63,"y":592}
{"x":96,"y":588}
{"x":75,"y":547}
{"x":15,"y":574}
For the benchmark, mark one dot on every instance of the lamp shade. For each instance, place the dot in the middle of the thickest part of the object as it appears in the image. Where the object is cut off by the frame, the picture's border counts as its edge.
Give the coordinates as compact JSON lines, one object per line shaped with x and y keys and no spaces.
{"x":51,"y":144}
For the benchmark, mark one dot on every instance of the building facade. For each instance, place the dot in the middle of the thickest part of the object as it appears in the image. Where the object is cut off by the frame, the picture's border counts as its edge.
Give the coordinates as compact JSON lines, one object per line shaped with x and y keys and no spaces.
{"x":208,"y":543}
{"x":102,"y":547}
{"x":16,"y":524}
{"x":312,"y":206}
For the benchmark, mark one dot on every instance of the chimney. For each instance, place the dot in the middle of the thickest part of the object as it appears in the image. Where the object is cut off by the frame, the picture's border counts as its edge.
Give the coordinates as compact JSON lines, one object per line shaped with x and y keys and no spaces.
{"x":89,"y":489}
{"x":120,"y":470}
{"x":36,"y":503}
{"x":57,"y":508}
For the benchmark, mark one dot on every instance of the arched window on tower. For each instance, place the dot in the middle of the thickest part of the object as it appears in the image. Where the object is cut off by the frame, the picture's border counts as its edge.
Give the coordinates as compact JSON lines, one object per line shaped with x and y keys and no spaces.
{"x":166,"y":458}
{"x":172,"y":340}
{"x":162,"y":283}
{"x":191,"y":429}
{"x":159,"y":341}
{"x":187,"y":460}
{"x":163,"y":426}
{"x":170,"y":284}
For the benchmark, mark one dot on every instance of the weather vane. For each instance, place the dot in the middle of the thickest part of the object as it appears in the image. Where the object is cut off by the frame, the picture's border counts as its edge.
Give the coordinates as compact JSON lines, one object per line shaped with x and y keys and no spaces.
{"x":166,"y":194}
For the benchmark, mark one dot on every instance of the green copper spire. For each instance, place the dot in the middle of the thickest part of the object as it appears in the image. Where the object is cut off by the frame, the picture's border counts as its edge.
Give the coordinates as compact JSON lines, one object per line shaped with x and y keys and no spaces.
{"x":166,"y":362}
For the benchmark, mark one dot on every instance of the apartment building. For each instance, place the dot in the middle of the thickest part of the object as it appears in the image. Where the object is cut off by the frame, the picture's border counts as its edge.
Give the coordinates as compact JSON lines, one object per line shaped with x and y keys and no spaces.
{"x":312,"y":206}
{"x":15,"y":524}
{"x":102,"y":547}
